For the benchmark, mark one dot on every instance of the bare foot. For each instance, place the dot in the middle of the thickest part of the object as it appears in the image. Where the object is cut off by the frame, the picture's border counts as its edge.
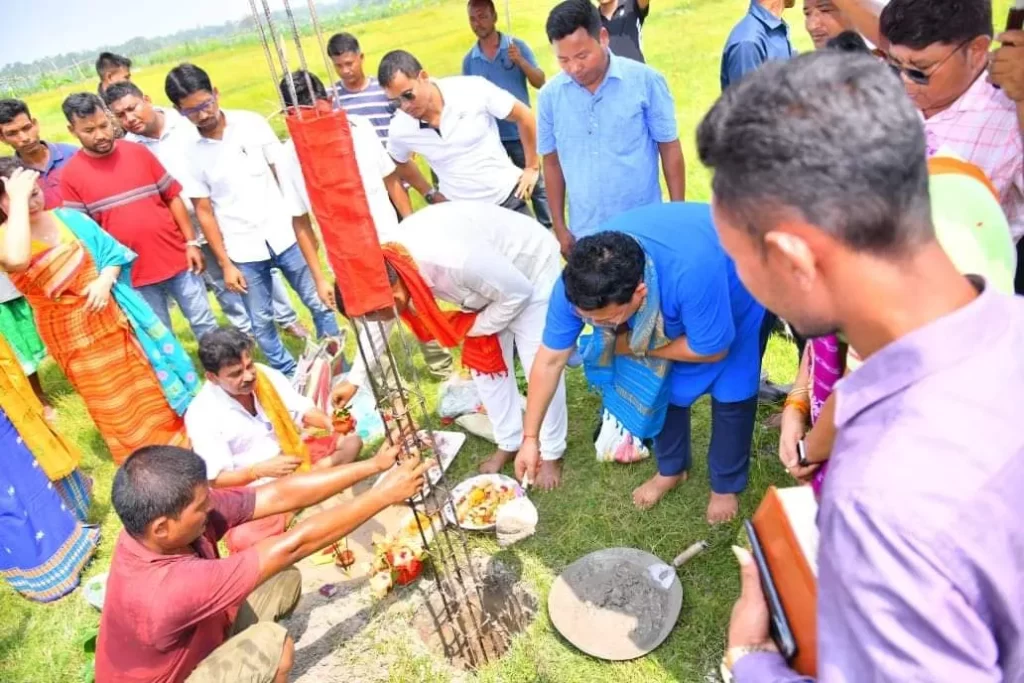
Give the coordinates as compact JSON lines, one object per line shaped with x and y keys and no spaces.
{"x":496,"y":462}
{"x":651,"y":491}
{"x":549,"y":475}
{"x":722,"y":507}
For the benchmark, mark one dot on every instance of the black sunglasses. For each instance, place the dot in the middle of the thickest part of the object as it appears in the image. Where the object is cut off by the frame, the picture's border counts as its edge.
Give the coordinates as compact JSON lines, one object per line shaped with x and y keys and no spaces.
{"x":396,"y":102}
{"x":919,"y":77}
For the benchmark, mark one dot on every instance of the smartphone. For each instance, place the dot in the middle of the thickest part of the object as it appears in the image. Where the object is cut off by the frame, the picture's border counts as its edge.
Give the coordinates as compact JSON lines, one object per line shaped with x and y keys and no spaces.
{"x":781,"y":632}
{"x":801,"y":453}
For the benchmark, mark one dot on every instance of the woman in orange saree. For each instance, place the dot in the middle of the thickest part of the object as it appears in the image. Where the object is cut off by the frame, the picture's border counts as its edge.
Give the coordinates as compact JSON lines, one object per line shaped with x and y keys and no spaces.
{"x":67,"y":268}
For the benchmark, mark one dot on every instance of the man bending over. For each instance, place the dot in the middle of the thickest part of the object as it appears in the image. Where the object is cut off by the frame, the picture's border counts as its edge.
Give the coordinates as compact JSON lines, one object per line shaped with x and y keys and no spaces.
{"x":657,"y":281}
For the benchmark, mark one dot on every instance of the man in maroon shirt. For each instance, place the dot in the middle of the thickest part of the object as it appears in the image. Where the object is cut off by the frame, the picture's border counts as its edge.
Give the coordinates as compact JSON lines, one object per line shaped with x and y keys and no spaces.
{"x":175,"y":610}
{"x":125,"y":189}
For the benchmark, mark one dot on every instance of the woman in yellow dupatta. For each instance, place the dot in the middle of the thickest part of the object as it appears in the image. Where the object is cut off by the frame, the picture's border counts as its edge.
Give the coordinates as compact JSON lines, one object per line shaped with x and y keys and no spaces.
{"x":69,"y":270}
{"x":43,"y":497}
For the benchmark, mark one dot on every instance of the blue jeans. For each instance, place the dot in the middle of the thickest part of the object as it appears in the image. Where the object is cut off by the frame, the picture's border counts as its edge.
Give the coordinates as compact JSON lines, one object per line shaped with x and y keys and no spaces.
{"x":540,"y":193}
{"x":258,"y":301}
{"x":233,"y":305}
{"x":187,"y":289}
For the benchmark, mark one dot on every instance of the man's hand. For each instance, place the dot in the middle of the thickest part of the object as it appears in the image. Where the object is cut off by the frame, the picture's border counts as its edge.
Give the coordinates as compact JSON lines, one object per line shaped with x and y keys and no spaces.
{"x":280,"y":466}
{"x":749,"y":624}
{"x":1007,"y":67}
{"x":196,"y":263}
{"x":405,"y":481}
{"x":527,"y":182}
{"x":97,"y":293}
{"x":325,"y":290}
{"x":386,"y":456}
{"x":528,"y":460}
{"x":342,"y":394}
{"x":234,"y":280}
{"x":565,"y":240}
{"x":515,"y":55}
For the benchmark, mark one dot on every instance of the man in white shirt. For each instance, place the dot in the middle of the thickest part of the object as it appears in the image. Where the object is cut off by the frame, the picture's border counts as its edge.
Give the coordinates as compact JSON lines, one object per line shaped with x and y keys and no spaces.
{"x":385,"y":193}
{"x":230,"y":421}
{"x":453,"y":124}
{"x":383,"y":187}
{"x":487,"y":260}
{"x":239,"y":204}
{"x":170,"y":137}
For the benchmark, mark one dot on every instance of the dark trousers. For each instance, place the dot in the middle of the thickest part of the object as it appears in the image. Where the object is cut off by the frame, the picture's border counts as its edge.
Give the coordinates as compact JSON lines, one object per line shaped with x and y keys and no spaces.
{"x":516,"y":204}
{"x":540,"y":194}
{"x":732,"y":431}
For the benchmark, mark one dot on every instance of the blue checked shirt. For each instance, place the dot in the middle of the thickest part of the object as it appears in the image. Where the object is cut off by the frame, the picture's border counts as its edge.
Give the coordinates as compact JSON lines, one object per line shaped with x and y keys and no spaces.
{"x":607,"y":142}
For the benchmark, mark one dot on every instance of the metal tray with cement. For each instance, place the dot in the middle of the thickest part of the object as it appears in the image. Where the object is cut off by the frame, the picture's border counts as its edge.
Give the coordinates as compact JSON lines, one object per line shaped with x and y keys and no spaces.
{"x":616,"y":604}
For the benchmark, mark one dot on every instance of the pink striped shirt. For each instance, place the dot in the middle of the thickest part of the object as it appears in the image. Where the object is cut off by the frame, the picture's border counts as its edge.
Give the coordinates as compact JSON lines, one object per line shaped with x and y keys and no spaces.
{"x":981,"y":127}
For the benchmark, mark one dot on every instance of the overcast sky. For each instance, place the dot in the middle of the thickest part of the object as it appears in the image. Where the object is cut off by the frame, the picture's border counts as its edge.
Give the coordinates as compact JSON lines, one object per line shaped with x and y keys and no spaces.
{"x":40,"y":28}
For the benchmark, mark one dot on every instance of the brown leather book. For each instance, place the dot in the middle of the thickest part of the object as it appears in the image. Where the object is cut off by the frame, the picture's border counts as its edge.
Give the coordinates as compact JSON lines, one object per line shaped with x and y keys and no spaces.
{"x":785,"y":524}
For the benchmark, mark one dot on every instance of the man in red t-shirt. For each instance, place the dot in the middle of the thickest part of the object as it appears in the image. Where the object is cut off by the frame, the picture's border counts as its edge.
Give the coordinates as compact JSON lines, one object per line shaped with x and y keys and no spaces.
{"x":125,"y":189}
{"x":175,"y":610}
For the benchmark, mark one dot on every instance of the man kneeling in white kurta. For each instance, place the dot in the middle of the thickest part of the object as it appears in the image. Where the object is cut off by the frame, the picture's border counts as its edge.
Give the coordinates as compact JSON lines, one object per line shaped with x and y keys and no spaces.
{"x":498,"y":267}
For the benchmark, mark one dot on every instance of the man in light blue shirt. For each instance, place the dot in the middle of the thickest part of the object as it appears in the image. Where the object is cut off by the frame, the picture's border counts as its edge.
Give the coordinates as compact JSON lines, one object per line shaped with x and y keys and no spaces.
{"x":760,"y":36}
{"x":602,"y":125}
{"x":508,"y":63}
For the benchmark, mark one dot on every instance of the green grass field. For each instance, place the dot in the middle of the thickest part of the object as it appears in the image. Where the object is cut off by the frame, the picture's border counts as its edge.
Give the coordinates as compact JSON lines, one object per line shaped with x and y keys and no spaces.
{"x":683,"y":39}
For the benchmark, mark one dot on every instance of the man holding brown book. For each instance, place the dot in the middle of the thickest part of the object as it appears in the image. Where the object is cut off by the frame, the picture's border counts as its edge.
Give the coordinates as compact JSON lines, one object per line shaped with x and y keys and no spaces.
{"x":828,"y":219}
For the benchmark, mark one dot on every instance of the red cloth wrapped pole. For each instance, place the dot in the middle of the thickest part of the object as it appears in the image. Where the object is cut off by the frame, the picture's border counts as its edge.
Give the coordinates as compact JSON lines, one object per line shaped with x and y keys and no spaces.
{"x":323,"y":141}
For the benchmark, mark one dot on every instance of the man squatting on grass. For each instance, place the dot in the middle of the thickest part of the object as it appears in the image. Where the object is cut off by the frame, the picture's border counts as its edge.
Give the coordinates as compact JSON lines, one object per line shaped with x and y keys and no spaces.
{"x":175,"y":610}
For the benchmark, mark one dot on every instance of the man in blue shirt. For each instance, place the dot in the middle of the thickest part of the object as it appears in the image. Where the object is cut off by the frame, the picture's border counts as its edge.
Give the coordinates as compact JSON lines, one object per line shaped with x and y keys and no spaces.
{"x":714,"y":327}
{"x":21,"y":133}
{"x":760,"y":36}
{"x":508,"y":63}
{"x":602,"y":125}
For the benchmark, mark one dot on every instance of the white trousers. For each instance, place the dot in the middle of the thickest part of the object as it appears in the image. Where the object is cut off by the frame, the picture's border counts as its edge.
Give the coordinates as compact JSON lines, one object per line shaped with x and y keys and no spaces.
{"x":500,"y":395}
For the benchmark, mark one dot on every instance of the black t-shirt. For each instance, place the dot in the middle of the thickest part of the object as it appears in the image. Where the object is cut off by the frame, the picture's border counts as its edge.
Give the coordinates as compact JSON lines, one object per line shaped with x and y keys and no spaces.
{"x":624,"y":29}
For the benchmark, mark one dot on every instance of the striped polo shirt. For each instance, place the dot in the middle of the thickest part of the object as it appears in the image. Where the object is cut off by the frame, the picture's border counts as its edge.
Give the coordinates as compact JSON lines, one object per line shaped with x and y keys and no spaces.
{"x":128,"y":192}
{"x":371,"y":103}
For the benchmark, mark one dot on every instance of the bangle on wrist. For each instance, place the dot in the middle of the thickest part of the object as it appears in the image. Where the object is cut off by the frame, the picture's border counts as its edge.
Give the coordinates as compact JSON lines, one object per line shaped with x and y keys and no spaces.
{"x":802,"y":405}
{"x":531,"y":437}
{"x":193,"y":243}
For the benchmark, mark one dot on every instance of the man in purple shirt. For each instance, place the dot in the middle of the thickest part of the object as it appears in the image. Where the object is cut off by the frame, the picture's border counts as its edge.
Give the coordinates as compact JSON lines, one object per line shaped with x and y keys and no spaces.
{"x":21,"y":132}
{"x":826,"y":213}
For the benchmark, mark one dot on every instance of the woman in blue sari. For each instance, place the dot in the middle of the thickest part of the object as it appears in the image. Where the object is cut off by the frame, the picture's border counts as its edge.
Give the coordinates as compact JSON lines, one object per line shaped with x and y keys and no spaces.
{"x":44,"y":499}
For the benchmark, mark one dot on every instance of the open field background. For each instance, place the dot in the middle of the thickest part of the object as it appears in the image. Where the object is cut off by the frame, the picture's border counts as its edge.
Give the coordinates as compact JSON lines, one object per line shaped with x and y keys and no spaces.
{"x":682,"y":39}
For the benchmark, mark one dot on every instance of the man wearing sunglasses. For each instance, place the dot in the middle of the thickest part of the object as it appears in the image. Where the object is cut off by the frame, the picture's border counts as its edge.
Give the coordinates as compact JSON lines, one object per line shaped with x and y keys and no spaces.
{"x":508,"y":63}
{"x":940,"y":48}
{"x":453,"y":124}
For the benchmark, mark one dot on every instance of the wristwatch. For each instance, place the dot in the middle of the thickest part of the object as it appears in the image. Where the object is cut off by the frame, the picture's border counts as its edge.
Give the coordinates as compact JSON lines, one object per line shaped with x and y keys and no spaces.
{"x":430,"y":195}
{"x":735,"y":654}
